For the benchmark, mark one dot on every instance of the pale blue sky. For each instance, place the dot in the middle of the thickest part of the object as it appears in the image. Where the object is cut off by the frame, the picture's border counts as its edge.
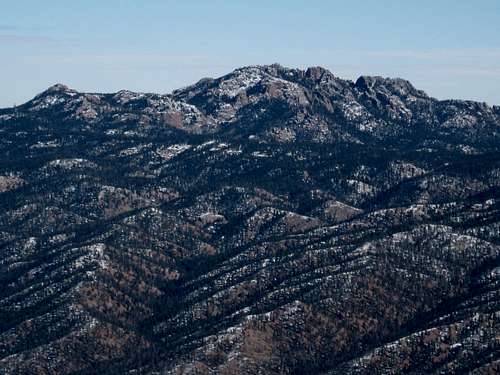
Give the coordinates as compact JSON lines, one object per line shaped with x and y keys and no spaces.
{"x":449,"y":48}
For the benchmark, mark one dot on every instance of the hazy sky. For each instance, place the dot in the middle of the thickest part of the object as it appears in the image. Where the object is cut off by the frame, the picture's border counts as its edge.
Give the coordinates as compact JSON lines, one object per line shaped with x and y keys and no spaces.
{"x":449,"y":48}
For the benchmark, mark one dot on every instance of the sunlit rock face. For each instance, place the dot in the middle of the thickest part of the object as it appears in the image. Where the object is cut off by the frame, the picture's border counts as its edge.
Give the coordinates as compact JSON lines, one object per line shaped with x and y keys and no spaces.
{"x":270,"y":221}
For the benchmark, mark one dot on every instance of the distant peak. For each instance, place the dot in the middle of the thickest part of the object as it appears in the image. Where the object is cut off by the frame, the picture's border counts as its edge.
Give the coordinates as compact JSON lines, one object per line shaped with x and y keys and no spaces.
{"x":124,"y":93}
{"x":264,"y":68}
{"x":396,"y":85}
{"x":317,"y":72}
{"x":273,"y":70}
{"x":365,"y":82}
{"x":59,"y":87}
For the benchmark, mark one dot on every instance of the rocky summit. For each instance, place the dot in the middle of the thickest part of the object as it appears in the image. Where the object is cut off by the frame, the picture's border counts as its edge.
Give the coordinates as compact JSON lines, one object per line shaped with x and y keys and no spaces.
{"x":271,"y":221}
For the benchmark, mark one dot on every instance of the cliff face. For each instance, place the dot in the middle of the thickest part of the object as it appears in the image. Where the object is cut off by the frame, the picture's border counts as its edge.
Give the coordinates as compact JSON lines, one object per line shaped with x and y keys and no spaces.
{"x":269,"y":221}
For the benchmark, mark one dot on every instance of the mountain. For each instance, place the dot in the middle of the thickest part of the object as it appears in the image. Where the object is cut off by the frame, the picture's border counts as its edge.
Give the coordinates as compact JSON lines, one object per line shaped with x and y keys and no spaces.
{"x":270,"y":221}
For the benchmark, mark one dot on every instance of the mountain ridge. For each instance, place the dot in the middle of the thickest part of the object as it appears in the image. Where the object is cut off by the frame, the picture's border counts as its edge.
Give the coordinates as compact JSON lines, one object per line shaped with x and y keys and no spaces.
{"x":314,"y":98}
{"x":275,"y":67}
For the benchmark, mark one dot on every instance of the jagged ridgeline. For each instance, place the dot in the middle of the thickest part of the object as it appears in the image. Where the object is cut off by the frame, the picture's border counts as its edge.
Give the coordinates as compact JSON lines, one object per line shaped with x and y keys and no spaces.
{"x":271,"y":221}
